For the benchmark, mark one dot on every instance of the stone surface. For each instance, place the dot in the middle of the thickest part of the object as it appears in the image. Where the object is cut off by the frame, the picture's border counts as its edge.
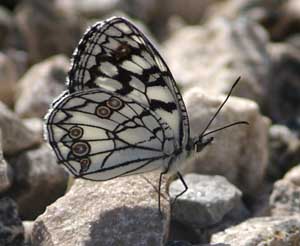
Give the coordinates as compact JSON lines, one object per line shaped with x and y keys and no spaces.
{"x":5,"y":170}
{"x":284,"y":199}
{"x":6,"y":26}
{"x":36,"y":125}
{"x":46,"y":30}
{"x":16,"y":137}
{"x":8,"y":79}
{"x":122,"y":211}
{"x":40,"y":85}
{"x":207,"y":200}
{"x":284,"y":104}
{"x":38,"y":181}
{"x":28,"y":226}
{"x":263,"y":231}
{"x":11,"y":228}
{"x":293,"y":175}
{"x":284,"y":151}
{"x":212,"y":56}
{"x":231,"y":154}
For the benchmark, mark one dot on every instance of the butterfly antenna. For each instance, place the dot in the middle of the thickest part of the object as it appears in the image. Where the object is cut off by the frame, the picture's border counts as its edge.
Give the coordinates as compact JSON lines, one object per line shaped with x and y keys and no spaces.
{"x":226,"y":126}
{"x":219,"y":109}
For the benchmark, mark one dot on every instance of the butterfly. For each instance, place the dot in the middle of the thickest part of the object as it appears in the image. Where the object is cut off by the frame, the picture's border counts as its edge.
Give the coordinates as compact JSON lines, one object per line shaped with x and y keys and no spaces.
{"x":122,"y":112}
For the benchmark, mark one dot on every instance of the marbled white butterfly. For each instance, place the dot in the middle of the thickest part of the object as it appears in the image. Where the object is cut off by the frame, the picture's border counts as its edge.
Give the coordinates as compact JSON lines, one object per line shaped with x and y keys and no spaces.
{"x":122,"y":113}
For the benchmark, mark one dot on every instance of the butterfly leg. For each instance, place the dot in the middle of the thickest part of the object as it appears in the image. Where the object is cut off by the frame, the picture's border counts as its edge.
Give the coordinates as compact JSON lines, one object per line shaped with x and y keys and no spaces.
{"x":185,"y":188}
{"x":159,"y":187}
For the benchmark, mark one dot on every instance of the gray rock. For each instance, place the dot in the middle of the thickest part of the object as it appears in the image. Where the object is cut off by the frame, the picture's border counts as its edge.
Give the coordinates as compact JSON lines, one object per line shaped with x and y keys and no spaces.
{"x":38,"y":181}
{"x":5,"y":170}
{"x":214,"y":55}
{"x":231,"y":153}
{"x":284,"y":199}
{"x":28,"y":226}
{"x":207,"y":200}
{"x":284,"y":104}
{"x":8,"y":79}
{"x":6,"y":26}
{"x":46,"y":30}
{"x":40,"y":85}
{"x":122,"y":211}
{"x":284,"y":151}
{"x":16,"y":137}
{"x":263,"y":231}
{"x":293,"y":175}
{"x":11,"y":228}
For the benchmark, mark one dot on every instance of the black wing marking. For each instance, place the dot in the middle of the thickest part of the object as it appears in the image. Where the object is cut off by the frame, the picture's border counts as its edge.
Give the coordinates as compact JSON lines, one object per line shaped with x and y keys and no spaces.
{"x":116,"y":55}
{"x":100,"y":135}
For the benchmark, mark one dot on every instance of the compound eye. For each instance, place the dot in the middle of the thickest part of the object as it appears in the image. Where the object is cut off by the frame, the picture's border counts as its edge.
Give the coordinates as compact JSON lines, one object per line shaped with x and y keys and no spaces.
{"x":114,"y":103}
{"x":76,"y":132}
{"x":80,"y":148}
{"x":103,"y":111}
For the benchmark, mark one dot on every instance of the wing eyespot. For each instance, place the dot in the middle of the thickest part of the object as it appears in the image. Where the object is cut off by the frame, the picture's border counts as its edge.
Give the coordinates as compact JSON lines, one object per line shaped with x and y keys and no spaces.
{"x":80,"y":148}
{"x":76,"y":132}
{"x":114,"y":103}
{"x":122,"y":51}
{"x":84,"y":165}
{"x":103,"y":111}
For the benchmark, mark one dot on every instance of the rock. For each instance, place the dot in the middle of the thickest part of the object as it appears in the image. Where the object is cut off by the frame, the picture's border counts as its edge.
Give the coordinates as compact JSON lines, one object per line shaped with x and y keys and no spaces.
{"x":40,"y":85}
{"x":28,"y":226}
{"x":267,"y":231}
{"x":284,"y":104}
{"x":35,"y":125}
{"x":38,"y":181}
{"x":5,"y":170}
{"x":284,"y":151}
{"x":207,"y":200}
{"x":8,"y":79}
{"x":47,"y":31}
{"x":214,"y":55}
{"x":284,"y":199}
{"x":122,"y":211}
{"x":293,"y":175}
{"x":6,"y":26}
{"x":94,"y":8}
{"x":11,"y":228}
{"x":231,"y":153}
{"x":16,"y":137}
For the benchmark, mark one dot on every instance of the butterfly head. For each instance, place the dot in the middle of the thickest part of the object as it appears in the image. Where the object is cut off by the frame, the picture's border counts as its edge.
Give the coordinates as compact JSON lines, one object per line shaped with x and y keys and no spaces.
{"x":197,"y":144}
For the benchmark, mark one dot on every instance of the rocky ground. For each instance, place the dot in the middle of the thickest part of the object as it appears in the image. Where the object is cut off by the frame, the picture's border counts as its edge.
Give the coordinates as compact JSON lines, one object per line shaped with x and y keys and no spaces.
{"x":244,"y":188}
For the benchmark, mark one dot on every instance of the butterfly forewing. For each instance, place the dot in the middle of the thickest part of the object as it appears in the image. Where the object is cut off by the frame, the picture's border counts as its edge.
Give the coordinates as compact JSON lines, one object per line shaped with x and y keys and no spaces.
{"x":116,"y":56}
{"x":99,"y":135}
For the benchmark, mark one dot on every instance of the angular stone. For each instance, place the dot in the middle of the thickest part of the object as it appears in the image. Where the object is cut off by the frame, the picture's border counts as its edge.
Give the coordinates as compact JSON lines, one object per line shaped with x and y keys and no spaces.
{"x":38,"y":181}
{"x":284,"y":104}
{"x":16,"y":137}
{"x":207,"y":200}
{"x":122,"y":211}
{"x":212,"y":56}
{"x":46,"y":30}
{"x":8,"y":79}
{"x":293,"y":175}
{"x":40,"y":85}
{"x":11,"y":228}
{"x":263,"y":231}
{"x":284,"y":148}
{"x":5,"y":170}
{"x":285,"y":199}
{"x":231,"y":152}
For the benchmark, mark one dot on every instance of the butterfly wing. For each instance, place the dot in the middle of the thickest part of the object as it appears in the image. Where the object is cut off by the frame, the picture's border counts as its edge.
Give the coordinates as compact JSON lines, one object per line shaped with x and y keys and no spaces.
{"x":116,"y":55}
{"x":100,"y":135}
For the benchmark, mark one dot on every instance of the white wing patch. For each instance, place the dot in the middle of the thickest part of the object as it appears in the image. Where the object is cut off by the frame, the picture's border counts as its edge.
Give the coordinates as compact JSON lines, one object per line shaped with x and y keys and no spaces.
{"x":100,"y":135}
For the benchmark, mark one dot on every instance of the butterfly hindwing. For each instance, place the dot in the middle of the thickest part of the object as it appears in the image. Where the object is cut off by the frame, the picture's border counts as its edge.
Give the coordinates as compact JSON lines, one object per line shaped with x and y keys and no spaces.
{"x":117,"y":56}
{"x":99,"y":135}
